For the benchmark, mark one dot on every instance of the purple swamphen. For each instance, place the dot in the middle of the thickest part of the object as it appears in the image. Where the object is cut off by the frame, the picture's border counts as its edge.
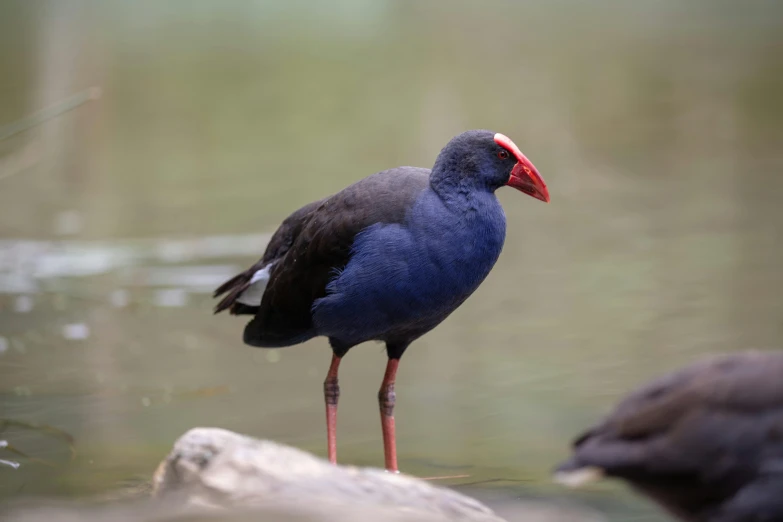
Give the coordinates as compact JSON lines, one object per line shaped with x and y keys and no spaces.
{"x":386,"y":259}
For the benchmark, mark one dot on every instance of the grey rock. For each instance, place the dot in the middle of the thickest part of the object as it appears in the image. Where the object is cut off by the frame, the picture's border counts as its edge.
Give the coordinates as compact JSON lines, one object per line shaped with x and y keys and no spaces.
{"x":215,"y":468}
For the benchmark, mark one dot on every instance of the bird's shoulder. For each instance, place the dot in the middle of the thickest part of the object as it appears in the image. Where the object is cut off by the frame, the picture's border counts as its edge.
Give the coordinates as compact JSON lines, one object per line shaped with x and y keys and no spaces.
{"x":382,"y":197}
{"x":323,"y":232}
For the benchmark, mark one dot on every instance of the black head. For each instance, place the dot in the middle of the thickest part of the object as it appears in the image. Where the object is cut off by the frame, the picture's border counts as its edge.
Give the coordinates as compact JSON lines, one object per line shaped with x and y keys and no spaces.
{"x":485,"y":160}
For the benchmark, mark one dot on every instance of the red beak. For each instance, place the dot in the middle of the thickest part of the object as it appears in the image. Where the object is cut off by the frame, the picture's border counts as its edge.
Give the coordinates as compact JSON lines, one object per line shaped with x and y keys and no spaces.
{"x":524,"y":176}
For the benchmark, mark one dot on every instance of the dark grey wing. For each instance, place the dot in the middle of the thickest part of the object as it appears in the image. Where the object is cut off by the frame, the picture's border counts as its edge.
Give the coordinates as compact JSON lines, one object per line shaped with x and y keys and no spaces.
{"x":278,"y":245}
{"x":697,"y":437}
{"x":322,"y":247}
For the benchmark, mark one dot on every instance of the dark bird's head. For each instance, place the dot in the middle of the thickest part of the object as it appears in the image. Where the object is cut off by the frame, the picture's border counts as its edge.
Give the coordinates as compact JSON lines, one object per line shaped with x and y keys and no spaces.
{"x":486,"y":160}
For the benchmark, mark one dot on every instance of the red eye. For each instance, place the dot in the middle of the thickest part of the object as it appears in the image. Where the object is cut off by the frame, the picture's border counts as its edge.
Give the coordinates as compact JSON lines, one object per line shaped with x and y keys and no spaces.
{"x":503,"y":154}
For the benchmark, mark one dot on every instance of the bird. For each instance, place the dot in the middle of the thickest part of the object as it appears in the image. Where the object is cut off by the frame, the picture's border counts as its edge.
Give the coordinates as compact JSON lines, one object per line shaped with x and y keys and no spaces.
{"x":704,"y":442}
{"x":386,"y":259}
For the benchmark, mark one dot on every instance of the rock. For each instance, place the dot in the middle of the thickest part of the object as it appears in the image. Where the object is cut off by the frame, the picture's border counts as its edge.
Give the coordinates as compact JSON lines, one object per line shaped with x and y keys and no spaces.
{"x":215,"y":468}
{"x":214,"y":475}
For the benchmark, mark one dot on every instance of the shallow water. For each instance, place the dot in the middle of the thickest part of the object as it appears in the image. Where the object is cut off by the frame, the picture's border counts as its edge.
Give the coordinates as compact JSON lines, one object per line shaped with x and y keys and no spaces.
{"x":657,"y":128}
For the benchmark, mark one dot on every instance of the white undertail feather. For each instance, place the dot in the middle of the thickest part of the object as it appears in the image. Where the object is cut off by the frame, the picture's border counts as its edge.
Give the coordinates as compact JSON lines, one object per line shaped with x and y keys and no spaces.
{"x":578,"y":477}
{"x":252,"y":296}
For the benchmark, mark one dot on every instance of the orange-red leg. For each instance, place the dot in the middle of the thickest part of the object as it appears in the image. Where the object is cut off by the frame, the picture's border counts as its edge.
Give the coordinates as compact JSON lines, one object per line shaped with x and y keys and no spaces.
{"x":331,"y":396}
{"x":386,"y":399}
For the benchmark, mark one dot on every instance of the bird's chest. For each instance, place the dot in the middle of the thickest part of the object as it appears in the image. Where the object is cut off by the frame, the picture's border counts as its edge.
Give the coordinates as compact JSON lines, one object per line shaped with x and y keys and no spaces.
{"x":449,"y":258}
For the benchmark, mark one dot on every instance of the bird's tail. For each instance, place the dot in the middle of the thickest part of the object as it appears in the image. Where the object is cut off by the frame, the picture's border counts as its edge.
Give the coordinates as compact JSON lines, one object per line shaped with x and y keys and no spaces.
{"x":235,"y":287}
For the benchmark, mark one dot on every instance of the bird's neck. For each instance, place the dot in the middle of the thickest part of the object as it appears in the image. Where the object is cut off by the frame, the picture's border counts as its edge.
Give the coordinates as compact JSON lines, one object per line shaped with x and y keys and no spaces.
{"x":461,"y":193}
{"x":464,"y":231}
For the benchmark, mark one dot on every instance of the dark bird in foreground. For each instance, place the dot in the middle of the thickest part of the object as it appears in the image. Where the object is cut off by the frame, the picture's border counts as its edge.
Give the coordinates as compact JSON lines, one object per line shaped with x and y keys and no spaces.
{"x":705,"y":442}
{"x":386,"y":259}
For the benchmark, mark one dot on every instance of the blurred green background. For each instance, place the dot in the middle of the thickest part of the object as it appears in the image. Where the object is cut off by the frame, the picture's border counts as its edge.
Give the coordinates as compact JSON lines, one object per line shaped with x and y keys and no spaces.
{"x":657,"y":125}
